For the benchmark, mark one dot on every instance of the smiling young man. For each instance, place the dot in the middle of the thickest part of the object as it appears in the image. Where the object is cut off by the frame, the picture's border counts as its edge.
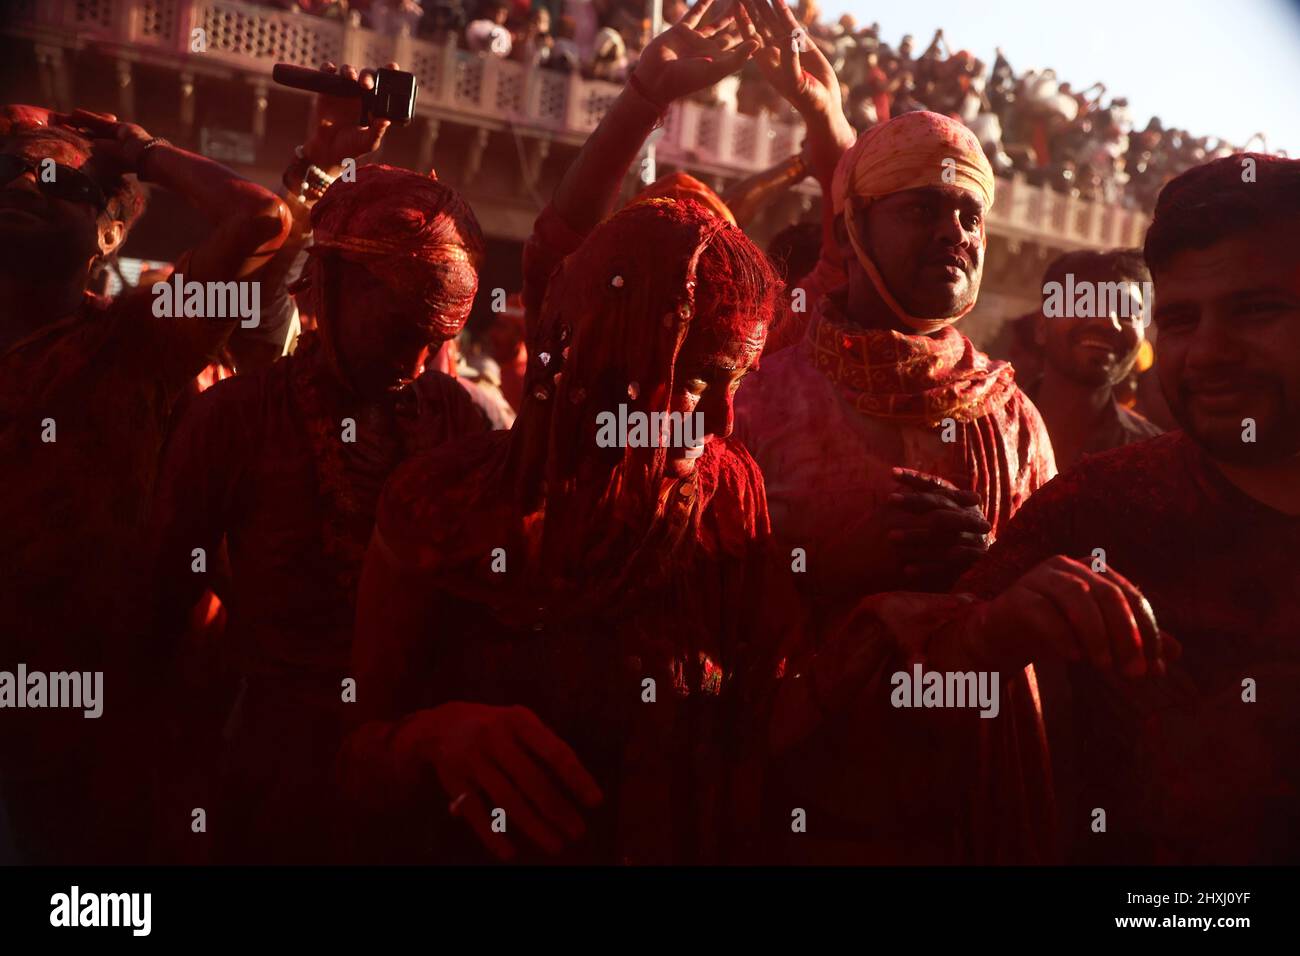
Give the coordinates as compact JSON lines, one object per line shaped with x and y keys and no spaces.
{"x":1201,"y":765}
{"x":1087,"y":355}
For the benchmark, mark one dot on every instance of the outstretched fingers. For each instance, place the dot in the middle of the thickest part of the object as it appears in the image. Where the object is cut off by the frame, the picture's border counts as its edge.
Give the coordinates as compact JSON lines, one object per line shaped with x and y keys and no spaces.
{"x":695,"y":14}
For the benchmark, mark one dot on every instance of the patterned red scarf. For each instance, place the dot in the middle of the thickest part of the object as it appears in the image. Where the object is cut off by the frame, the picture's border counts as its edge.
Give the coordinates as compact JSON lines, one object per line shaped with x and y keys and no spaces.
{"x":911,"y":379}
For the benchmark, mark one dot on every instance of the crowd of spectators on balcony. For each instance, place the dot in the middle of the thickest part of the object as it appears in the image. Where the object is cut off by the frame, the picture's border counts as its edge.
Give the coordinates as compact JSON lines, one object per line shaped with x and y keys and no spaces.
{"x":1079,"y":142}
{"x":598,"y":38}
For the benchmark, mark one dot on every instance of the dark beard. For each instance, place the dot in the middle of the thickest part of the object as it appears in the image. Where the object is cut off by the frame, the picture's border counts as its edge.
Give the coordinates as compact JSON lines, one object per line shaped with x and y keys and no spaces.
{"x":1276,"y":443}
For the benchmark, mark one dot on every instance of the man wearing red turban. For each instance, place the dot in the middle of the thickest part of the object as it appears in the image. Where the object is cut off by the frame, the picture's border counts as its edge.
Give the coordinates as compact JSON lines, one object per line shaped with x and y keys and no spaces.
{"x":287,"y":466}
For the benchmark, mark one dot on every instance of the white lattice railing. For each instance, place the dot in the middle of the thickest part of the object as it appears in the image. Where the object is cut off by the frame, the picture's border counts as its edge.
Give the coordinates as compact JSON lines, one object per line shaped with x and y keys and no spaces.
{"x":252,"y":39}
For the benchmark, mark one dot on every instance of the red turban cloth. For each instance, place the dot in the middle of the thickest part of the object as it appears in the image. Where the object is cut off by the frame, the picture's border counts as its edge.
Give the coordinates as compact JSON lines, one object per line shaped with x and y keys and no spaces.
{"x":412,"y":232}
{"x":911,"y":151}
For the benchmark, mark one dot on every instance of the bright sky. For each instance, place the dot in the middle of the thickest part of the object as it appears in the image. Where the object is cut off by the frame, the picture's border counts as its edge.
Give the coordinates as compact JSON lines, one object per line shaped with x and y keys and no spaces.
{"x":1226,"y":68}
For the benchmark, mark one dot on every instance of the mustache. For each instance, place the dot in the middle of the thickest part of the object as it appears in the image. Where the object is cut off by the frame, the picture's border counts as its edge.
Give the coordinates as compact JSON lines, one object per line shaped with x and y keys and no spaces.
{"x":948,"y":256}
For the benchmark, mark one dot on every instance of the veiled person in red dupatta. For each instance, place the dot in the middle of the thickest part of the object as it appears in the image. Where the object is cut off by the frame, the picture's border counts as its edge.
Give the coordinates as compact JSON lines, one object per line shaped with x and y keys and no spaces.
{"x":287,"y":466}
{"x":566,"y":632}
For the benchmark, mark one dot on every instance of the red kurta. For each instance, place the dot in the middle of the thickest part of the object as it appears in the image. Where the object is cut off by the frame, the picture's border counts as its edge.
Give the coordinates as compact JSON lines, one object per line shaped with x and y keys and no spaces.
{"x":1186,"y":770}
{"x":242,"y":465}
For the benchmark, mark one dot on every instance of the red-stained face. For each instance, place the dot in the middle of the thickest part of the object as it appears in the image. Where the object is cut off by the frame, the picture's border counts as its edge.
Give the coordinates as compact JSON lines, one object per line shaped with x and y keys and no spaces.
{"x":718,"y":353}
{"x":1229,"y":323}
{"x":383,"y":338}
{"x":928,"y":246}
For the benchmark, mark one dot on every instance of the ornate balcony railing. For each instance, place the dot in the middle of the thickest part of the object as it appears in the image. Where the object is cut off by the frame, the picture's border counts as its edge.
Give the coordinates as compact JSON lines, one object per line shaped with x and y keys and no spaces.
{"x":486,"y":91}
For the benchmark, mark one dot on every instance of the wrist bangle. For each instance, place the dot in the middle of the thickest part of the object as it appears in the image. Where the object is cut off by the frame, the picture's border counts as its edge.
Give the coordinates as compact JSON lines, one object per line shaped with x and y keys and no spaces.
{"x":139,"y":157}
{"x":639,"y":88}
{"x":305,"y":181}
{"x":318,"y":178}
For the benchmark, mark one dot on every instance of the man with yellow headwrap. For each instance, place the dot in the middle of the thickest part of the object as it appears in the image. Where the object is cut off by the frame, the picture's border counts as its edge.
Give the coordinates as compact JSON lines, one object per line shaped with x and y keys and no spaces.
{"x":883,"y":380}
{"x":893,"y":452}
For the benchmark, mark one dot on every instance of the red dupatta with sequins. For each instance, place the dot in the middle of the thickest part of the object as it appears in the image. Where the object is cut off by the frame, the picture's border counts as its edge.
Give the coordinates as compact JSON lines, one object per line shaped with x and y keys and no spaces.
{"x":602,"y":522}
{"x":604,"y":557}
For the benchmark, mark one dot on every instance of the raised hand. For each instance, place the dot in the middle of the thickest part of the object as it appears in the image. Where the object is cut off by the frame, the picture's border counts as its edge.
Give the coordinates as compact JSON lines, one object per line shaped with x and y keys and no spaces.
{"x":115,"y":144}
{"x":791,"y":62}
{"x":687,"y":57}
{"x":335,"y":133}
{"x":798,"y":71}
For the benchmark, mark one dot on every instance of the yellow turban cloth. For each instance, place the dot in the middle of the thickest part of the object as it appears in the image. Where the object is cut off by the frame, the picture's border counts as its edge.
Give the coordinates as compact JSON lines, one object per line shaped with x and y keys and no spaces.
{"x":910,"y":151}
{"x":684,"y":186}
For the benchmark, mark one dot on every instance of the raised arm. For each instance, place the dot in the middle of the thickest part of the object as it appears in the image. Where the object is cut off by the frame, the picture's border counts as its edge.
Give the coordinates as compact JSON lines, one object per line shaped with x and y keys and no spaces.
{"x":804,"y":77}
{"x":249,"y":226}
{"x":250,"y":222}
{"x":335,"y":139}
{"x":684,"y":59}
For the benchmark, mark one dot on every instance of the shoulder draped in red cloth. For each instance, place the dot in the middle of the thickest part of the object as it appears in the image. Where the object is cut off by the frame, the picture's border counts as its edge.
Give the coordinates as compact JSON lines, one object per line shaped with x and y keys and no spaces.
{"x":611,"y":573}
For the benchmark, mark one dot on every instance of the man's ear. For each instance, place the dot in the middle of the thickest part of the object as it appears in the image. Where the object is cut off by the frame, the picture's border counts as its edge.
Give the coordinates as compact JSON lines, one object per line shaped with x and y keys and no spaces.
{"x":112,"y":233}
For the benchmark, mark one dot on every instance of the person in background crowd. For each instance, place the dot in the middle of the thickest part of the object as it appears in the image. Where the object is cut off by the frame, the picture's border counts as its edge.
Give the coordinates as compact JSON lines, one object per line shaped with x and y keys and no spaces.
{"x":565,"y":54}
{"x":1087,"y":357}
{"x":536,"y":40}
{"x":488,"y":34}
